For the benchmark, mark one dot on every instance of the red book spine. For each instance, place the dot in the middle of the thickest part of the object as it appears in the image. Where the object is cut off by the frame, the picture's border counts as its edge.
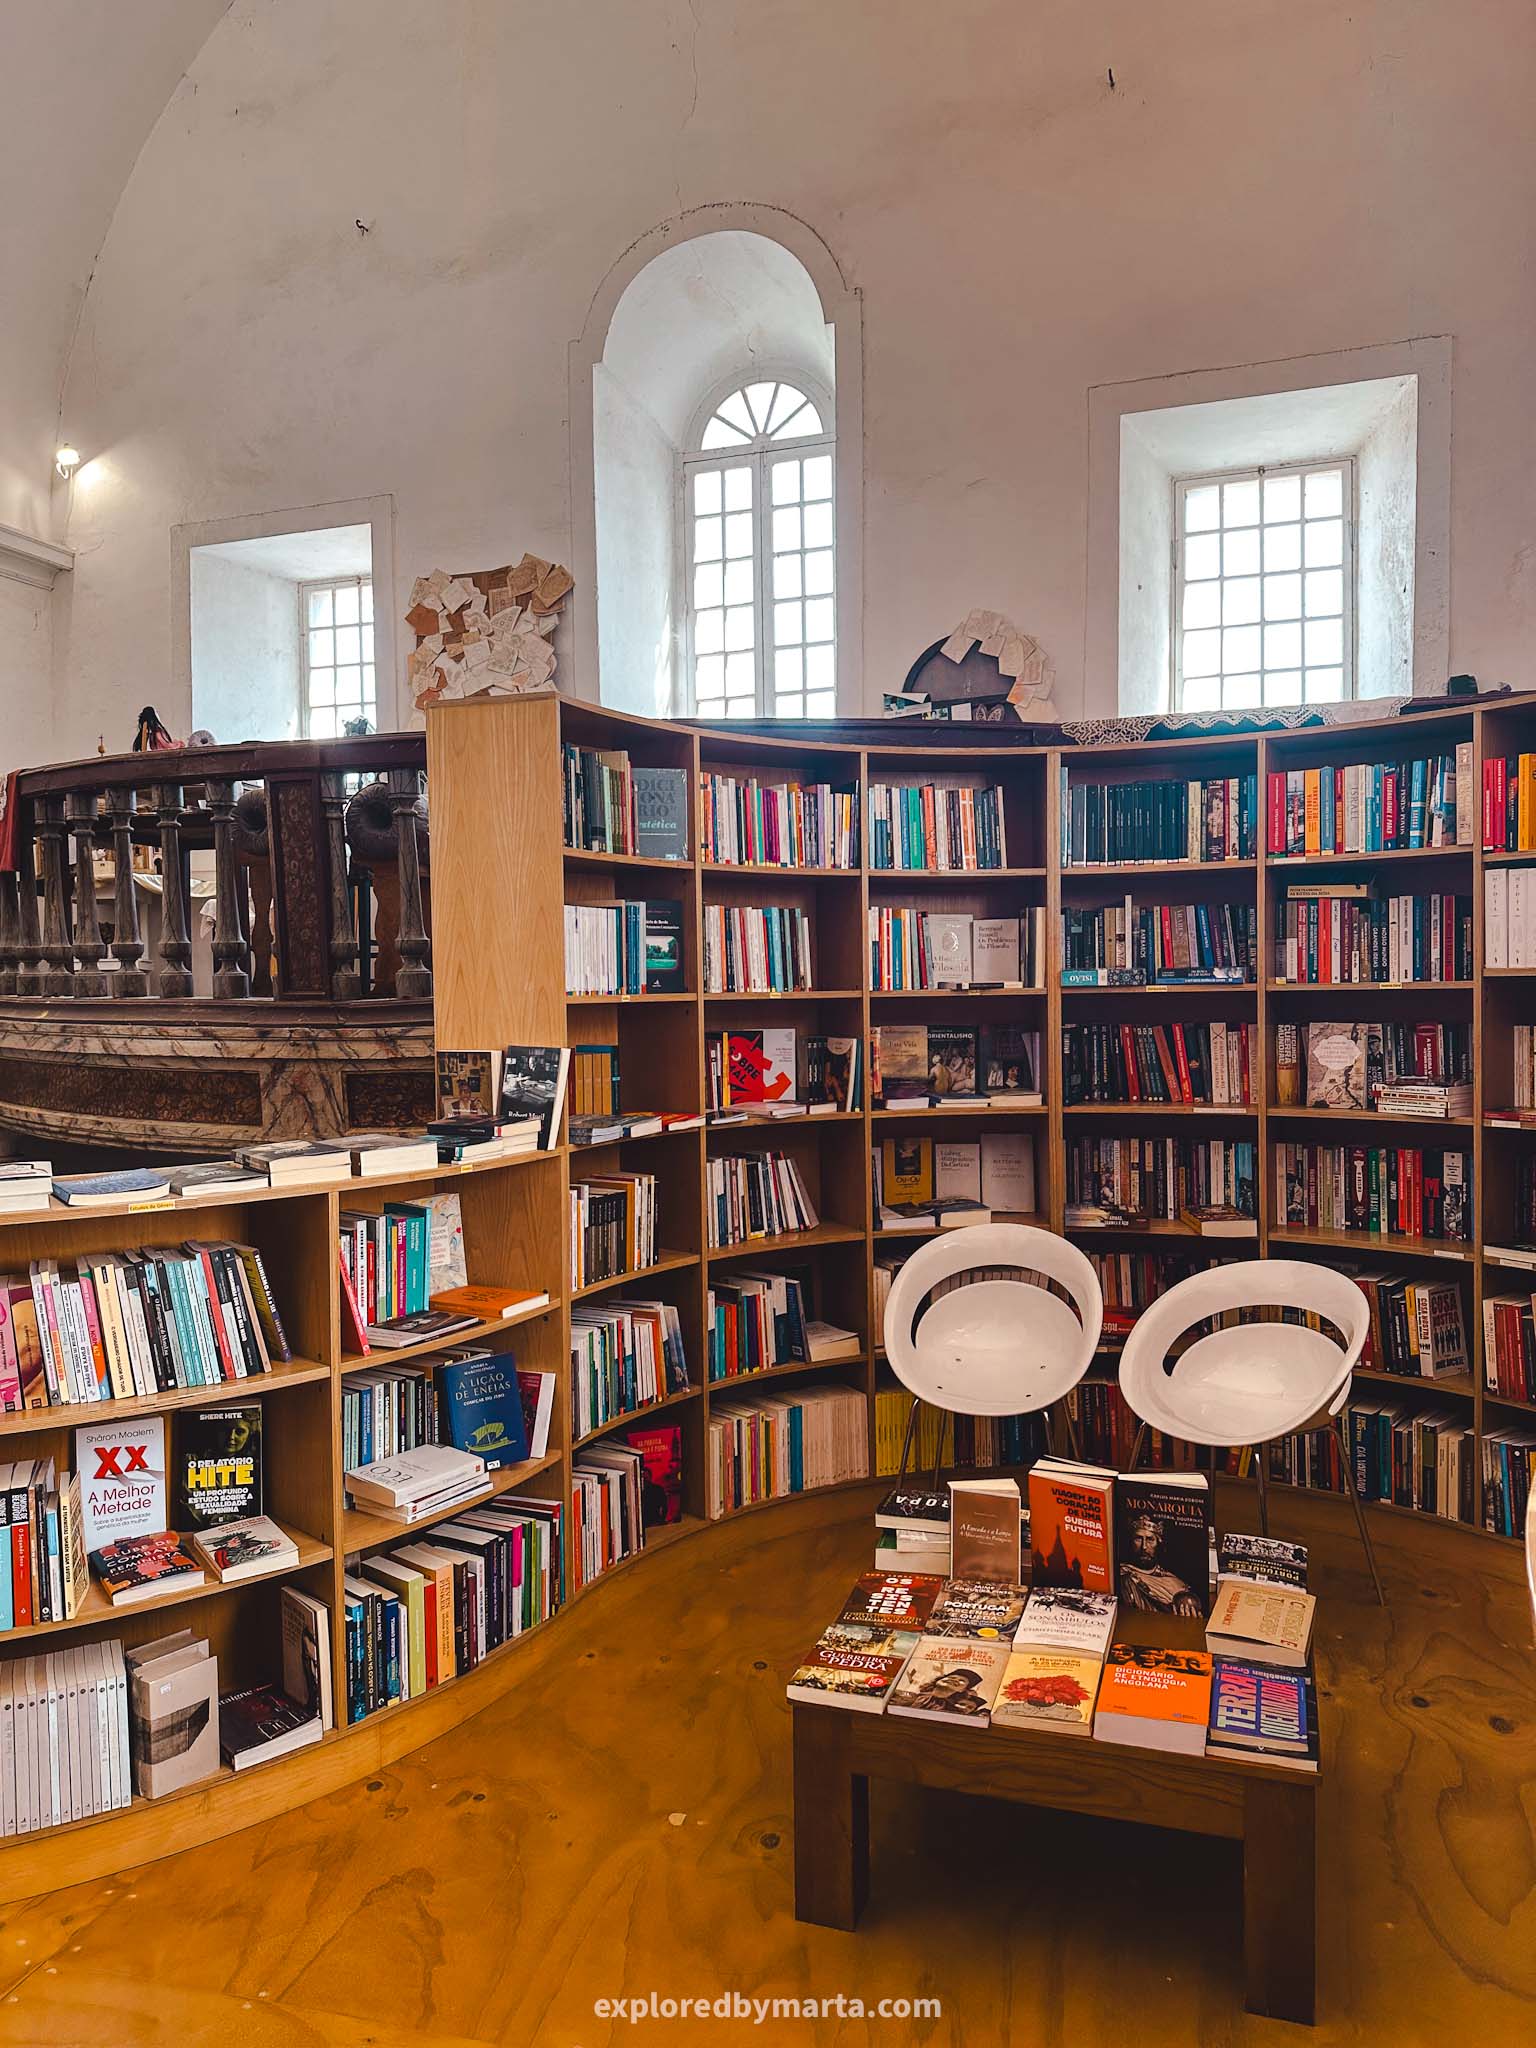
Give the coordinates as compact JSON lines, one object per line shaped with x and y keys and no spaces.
{"x":1181,"y":1055}
{"x":1128,"y":1054}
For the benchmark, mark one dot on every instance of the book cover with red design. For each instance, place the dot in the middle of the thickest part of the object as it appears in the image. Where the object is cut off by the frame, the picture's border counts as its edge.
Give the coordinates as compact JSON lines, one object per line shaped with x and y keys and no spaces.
{"x":1045,"y":1688}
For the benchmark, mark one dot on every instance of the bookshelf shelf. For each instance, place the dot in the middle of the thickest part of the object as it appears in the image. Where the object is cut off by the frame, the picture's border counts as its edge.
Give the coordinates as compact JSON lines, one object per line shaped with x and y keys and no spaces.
{"x":667,"y":1263}
{"x":1426,"y":991}
{"x":894,"y":1235}
{"x":1372,"y":1241}
{"x":951,"y":995}
{"x":731,"y":869}
{"x":784,"y":995}
{"x":1293,"y":1113}
{"x":957,"y":878}
{"x":480,"y":1333}
{"x":584,"y":857}
{"x":1290,"y":861}
{"x":1108,"y":870}
{"x":631,"y":1415}
{"x":1459,"y":1383}
{"x":787,"y":1241}
{"x":666,"y":996}
{"x":299,"y":1372}
{"x":797,"y":1369}
{"x":1202,"y":990}
{"x":361,"y":1530}
{"x":962,"y":1111}
{"x":1123,"y":1109}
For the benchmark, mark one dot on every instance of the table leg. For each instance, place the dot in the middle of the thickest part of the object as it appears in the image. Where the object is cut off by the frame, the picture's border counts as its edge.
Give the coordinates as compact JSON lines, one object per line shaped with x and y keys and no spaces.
{"x":1280,"y":1899}
{"x":831,"y":1823}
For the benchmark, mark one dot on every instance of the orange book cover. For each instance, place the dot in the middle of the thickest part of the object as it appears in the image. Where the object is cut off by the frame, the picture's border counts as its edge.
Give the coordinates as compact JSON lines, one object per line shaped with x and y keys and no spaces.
{"x":1070,"y":1530}
{"x":1148,"y":1683}
{"x":1312,"y":810}
{"x":488,"y":1303}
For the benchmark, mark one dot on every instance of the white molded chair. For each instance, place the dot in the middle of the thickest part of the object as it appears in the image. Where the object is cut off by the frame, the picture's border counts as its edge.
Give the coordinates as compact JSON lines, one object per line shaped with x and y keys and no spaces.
{"x":1254,"y":1381}
{"x":995,"y":1347}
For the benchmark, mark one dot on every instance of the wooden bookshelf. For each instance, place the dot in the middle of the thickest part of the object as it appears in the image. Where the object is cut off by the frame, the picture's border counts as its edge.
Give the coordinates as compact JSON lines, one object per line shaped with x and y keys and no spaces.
{"x":500,"y":876}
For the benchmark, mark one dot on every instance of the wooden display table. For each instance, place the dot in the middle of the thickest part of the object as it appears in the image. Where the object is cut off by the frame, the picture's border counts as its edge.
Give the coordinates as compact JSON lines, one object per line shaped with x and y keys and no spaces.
{"x":1270,"y":1809}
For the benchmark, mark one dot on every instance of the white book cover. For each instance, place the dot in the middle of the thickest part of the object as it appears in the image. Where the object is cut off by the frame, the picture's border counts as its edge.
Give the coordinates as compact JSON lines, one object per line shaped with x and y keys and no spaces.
{"x":995,"y":950}
{"x":1008,"y":1173}
{"x":430,"y":1468}
{"x":122,"y":1479}
{"x":1067,"y":1618}
{"x":1496,"y":917}
{"x":957,"y":1172}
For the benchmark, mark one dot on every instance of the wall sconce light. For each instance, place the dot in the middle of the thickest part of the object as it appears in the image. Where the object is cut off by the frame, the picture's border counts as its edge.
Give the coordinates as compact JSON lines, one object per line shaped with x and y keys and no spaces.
{"x":66,"y":461}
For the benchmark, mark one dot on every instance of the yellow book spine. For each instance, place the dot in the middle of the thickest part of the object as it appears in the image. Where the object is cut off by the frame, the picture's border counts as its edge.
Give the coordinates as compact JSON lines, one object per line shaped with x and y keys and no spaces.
{"x":1312,"y":810}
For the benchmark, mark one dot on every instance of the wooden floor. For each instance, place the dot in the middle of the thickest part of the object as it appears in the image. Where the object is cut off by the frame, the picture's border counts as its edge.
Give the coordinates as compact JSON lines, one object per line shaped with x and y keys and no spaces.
{"x":619,"y":1824}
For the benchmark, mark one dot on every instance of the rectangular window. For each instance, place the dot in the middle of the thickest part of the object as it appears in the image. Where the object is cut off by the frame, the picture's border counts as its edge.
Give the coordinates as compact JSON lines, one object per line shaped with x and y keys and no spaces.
{"x":1264,"y":587}
{"x":336,"y":619}
{"x":761,"y":585}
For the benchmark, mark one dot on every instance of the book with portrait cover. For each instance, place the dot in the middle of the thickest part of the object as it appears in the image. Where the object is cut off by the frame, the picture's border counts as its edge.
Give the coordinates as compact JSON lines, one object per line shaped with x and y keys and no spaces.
{"x":1071,"y":1525}
{"x":1152,"y":1698}
{"x":533,"y":1081}
{"x":1048,"y":1687}
{"x":950,"y":1678}
{"x":854,"y":1664}
{"x":217,"y":1469}
{"x":1162,"y":1543}
{"x":468,"y":1084}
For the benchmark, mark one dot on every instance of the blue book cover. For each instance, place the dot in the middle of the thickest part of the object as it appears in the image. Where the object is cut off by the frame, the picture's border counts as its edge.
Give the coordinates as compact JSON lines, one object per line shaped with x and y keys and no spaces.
{"x":1259,"y":1706}
{"x":483,"y":1407}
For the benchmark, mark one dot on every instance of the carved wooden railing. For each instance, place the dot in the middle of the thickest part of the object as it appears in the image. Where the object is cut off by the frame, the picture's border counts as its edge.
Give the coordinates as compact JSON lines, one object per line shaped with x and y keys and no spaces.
{"x":298,"y":830}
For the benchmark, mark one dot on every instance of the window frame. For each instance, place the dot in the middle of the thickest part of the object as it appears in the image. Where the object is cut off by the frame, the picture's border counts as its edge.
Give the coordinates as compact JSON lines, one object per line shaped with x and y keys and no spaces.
{"x":1181,"y":486}
{"x":333,"y":584}
{"x":759,"y":456}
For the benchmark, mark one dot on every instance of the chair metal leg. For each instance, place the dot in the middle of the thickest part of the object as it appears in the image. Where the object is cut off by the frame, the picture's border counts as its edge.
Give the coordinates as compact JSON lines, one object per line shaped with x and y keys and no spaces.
{"x":1261,"y":1468}
{"x":906,"y":1442}
{"x":938,"y":1449}
{"x":1359,"y":1507}
{"x":1137,"y":1446}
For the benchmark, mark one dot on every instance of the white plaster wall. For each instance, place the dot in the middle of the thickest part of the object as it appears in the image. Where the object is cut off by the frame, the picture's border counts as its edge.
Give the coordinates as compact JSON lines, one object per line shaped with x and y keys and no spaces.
{"x":1020,"y":229}
{"x":1384,"y":471}
{"x":1145,"y":594}
{"x":245,"y":650}
{"x":26,"y":681}
{"x":636,"y":524}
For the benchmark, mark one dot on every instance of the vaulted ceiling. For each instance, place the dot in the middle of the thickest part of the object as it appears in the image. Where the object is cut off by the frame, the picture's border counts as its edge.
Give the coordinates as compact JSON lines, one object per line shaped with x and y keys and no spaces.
{"x":82,"y":84}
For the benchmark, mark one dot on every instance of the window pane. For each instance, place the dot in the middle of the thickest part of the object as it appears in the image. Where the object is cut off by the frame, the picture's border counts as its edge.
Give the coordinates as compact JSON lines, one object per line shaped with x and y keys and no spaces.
{"x":787,"y":626}
{"x":368,"y":643}
{"x":1282,"y":647}
{"x":819,"y":619}
{"x":1324,"y":685}
{"x":1202,"y":508}
{"x":786,"y":575}
{"x":1202,"y":557}
{"x":806,"y":421}
{"x":346,"y":605}
{"x":707,"y":540}
{"x":1240,"y":601}
{"x":1240,"y":504}
{"x":1325,"y":642}
{"x":349,"y":685}
{"x":786,"y":482}
{"x":738,"y":626}
{"x":1282,"y":597}
{"x":738,"y":533}
{"x":323,"y":725}
{"x":1202,"y":605}
{"x":1325,"y":494}
{"x":1240,"y":693}
{"x":818,"y":476}
{"x":786,"y":528}
{"x":718,"y":435}
{"x":760,"y":398}
{"x":1202,"y":654}
{"x":1239,"y":649}
{"x":706,"y":585}
{"x":1324,"y":592}
{"x":1201,"y":693}
{"x":788,"y":402}
{"x":320,"y":608}
{"x":820,"y":668}
{"x":1282,"y":547}
{"x":741,"y":676}
{"x":367,"y":597}
{"x":1283,"y":686}
{"x":818,"y":572}
{"x":788,"y":706}
{"x":322,"y":686}
{"x":1240,"y":553}
{"x":1325,"y":542}
{"x":822,"y":705}
{"x":709,"y":676}
{"x":738,"y":582}
{"x":706,"y":490}
{"x":1282,"y":498}
{"x":322,"y":649}
{"x":348,"y":645}
{"x":818,"y":526}
{"x":738,"y":489}
{"x":735,"y":414}
{"x":788,"y":669}
{"x":709,"y":632}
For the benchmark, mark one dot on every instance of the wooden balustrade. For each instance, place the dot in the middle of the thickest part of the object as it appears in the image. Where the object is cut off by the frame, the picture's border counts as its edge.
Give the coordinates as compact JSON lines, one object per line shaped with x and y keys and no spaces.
{"x":273,"y":824}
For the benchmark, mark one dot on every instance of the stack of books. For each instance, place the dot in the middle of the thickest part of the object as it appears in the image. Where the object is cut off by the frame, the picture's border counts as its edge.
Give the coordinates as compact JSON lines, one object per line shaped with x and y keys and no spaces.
{"x":26,"y":1186}
{"x":747,"y":823}
{"x":418,"y":1484}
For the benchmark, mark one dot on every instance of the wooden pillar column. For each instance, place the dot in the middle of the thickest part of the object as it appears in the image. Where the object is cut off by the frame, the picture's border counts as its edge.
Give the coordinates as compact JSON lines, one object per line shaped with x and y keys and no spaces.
{"x":29,"y":950}
{"x":231,"y":954}
{"x":413,"y":977}
{"x":89,"y":978}
{"x":57,"y":950}
{"x":127,"y":946}
{"x":175,"y":938}
{"x":10,"y":931}
{"x":346,"y":983}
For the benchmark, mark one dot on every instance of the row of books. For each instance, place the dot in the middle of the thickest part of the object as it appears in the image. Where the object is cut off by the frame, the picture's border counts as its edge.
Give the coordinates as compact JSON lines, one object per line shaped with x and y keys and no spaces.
{"x":612,"y":1226}
{"x":1208,"y":1063}
{"x":1404,"y":1190}
{"x":757,"y":951}
{"x":928,"y":826}
{"x":1523,"y":1203}
{"x":469,"y":1396}
{"x":744,"y":822}
{"x":1116,"y":823}
{"x":1159,"y":942}
{"x":611,"y":806}
{"x":625,"y":1356}
{"x":921,"y":1066}
{"x":30,"y":1186}
{"x":1418,"y":1328}
{"x":996,"y":1171}
{"x":397,"y":1258}
{"x":594,"y":1081}
{"x":916,"y":949}
{"x":624,"y":948}
{"x":1161,"y":1178}
{"x":753,"y":1321}
{"x":971,"y":1443}
{"x":755,"y":1194}
{"x":1372,"y":806}
{"x":130,"y":1325}
{"x":1411,"y":1457}
{"x":1132,"y":1281}
{"x":1509,"y":1470}
{"x":431,"y":1610}
{"x":1417,"y":1068}
{"x":1509,"y":803}
{"x":1509,"y":1346}
{"x":1324,"y":937}
{"x":1509,"y":917}
{"x":607,"y":1509}
{"x":65,"y":1744}
{"x":781,"y":1068}
{"x":768,"y":1447}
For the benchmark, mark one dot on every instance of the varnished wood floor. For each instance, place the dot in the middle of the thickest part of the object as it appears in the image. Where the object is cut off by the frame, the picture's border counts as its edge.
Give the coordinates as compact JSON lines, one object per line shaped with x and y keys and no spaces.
{"x":619,"y":1823}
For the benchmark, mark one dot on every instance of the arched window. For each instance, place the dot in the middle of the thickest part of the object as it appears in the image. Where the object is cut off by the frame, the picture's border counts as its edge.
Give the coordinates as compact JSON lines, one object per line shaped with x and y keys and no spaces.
{"x":759,"y":568}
